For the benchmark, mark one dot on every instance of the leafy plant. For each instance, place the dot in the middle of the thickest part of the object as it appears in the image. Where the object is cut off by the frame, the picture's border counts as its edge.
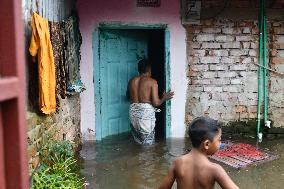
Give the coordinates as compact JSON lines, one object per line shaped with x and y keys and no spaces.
{"x":58,"y":169}
{"x":58,"y":149}
{"x":59,"y":176}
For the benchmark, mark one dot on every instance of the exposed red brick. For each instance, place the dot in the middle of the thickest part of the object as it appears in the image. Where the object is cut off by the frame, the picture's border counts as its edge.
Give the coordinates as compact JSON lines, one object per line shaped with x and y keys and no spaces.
{"x":189,"y":118}
{"x":240,"y":109}
{"x":246,"y":23}
{"x":244,"y":115}
{"x":252,"y":115}
{"x":273,"y":38}
{"x":276,"y":24}
{"x":193,"y":29}
{"x":190,"y":37}
{"x":205,"y":79}
{"x":273,"y":52}
{"x":277,"y":4}
{"x":252,"y":109}
{"x":277,"y":60}
{"x":278,"y":45}
{"x":255,"y":31}
{"x":192,"y":73}
{"x":278,"y":30}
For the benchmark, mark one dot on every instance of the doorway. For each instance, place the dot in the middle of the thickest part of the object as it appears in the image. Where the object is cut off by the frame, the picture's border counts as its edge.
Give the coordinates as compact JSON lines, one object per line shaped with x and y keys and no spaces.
{"x":119,"y":50}
{"x":156,"y":55}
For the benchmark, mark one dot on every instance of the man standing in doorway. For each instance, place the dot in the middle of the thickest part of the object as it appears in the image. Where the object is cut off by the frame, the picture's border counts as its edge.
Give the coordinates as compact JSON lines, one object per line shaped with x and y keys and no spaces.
{"x":142,"y":92}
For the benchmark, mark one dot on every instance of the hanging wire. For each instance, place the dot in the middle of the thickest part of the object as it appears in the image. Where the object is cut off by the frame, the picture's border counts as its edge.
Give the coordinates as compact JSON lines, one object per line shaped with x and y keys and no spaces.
{"x":282,"y":74}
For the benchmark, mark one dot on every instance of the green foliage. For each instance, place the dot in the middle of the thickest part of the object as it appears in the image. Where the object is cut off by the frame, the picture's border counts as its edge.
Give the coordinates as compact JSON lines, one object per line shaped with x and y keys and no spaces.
{"x":58,"y":168}
{"x":62,"y":149}
{"x":59,"y":176}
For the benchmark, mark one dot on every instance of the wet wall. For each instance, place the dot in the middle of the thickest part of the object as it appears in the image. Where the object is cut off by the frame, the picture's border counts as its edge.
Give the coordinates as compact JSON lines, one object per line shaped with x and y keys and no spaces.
{"x":223,"y":55}
{"x":92,"y":13}
{"x":66,"y":121}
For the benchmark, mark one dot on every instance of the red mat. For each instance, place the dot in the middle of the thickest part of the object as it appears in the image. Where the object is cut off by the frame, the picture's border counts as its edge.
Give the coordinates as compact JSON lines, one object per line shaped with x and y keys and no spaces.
{"x":240,"y":155}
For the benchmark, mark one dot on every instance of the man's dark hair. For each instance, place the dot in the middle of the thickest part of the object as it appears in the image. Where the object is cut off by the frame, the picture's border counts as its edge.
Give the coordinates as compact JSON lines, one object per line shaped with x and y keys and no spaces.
{"x":144,"y":66}
{"x":201,"y":129}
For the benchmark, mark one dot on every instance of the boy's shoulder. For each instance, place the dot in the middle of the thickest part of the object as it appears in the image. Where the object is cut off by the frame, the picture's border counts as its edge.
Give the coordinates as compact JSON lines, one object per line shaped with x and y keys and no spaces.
{"x":216,"y":169}
{"x":216,"y":166}
{"x":181,"y":161}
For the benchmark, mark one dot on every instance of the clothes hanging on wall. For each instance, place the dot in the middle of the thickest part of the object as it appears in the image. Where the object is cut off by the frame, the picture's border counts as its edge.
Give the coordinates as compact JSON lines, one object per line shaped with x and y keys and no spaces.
{"x":41,"y":47}
{"x":57,"y":45}
{"x":72,"y":42}
{"x":66,"y":41}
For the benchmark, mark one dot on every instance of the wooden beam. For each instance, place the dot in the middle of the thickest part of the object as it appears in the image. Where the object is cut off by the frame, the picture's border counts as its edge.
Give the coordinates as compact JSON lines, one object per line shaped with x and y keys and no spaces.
{"x":9,"y":88}
{"x":2,"y":165}
{"x":12,"y":72}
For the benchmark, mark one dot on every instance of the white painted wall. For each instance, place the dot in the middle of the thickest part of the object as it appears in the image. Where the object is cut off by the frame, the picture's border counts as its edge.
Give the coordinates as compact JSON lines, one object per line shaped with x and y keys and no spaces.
{"x":91,"y":13}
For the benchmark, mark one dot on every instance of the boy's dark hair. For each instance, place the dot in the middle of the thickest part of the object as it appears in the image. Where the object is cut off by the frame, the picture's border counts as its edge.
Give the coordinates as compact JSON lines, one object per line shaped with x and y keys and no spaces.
{"x":203,"y":128}
{"x":144,"y":66}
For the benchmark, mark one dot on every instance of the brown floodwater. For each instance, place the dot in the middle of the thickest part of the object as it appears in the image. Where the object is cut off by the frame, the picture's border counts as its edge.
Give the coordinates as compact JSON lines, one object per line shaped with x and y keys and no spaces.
{"x":119,"y":163}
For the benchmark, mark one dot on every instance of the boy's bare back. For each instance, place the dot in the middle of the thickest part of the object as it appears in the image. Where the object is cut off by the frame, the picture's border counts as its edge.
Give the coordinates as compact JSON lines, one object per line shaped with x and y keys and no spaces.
{"x":193,"y":171}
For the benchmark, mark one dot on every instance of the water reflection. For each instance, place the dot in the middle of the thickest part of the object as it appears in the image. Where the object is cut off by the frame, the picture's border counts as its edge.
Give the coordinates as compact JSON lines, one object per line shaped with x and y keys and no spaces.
{"x":119,"y":163}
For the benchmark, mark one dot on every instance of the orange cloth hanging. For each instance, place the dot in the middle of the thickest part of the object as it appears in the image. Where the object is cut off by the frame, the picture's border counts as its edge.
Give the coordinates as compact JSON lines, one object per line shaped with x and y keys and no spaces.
{"x":41,"y":46}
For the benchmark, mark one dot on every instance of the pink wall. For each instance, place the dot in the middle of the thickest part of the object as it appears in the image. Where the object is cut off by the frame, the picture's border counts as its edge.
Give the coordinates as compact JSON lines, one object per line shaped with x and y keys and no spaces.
{"x":92,"y":12}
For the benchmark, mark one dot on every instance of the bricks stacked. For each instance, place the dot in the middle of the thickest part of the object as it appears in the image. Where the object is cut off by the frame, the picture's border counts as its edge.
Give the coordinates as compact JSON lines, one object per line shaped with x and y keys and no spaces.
{"x":276,"y":92}
{"x":222,"y":71}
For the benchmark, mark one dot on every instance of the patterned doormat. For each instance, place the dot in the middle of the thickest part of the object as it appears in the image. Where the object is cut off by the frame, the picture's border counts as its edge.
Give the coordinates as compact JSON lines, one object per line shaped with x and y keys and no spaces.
{"x":240,"y":155}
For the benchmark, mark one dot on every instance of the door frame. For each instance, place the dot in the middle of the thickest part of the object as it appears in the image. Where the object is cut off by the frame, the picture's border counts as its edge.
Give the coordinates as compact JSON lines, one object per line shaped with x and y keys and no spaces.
{"x":96,"y":71}
{"x":13,"y":133}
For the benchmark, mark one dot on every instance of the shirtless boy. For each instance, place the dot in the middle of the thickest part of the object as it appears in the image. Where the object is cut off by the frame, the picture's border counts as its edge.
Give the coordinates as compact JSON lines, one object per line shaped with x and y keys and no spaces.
{"x":194,"y":170}
{"x":143,"y":94}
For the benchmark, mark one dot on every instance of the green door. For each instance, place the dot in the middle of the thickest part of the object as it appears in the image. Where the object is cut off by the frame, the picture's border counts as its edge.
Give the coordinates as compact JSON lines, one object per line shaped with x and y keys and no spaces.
{"x":119,"y":52}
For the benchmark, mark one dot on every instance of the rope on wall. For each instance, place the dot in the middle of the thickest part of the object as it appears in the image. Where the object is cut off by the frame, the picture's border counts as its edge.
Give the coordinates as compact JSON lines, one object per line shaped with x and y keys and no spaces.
{"x":279,"y":73}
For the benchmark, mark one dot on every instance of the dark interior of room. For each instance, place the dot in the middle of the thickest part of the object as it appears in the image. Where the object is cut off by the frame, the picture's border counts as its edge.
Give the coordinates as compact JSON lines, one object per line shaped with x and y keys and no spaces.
{"x":156,"y":49}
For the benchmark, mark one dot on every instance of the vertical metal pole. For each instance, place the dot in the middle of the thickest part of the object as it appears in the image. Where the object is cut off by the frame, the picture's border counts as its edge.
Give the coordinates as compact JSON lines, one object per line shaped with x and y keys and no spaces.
{"x":259,"y":96}
{"x":264,"y":71}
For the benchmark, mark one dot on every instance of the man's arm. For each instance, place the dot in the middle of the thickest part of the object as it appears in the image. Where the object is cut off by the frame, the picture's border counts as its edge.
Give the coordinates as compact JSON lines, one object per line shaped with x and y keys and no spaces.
{"x":156,"y":101}
{"x":223,"y":178}
{"x":168,"y":180}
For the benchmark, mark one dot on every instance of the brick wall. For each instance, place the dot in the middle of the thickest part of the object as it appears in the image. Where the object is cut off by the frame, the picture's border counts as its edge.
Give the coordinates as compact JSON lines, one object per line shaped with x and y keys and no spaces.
{"x":276,"y":95}
{"x":276,"y":4}
{"x":222,"y":73}
{"x":62,"y":125}
{"x":66,"y":121}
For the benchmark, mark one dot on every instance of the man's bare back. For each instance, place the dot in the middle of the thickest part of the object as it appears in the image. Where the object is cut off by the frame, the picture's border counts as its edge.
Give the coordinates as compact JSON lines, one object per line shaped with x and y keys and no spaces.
{"x":144,"y":89}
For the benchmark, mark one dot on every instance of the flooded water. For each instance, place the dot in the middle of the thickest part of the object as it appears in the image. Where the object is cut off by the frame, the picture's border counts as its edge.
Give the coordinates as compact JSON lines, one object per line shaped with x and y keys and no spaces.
{"x":119,"y":163}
